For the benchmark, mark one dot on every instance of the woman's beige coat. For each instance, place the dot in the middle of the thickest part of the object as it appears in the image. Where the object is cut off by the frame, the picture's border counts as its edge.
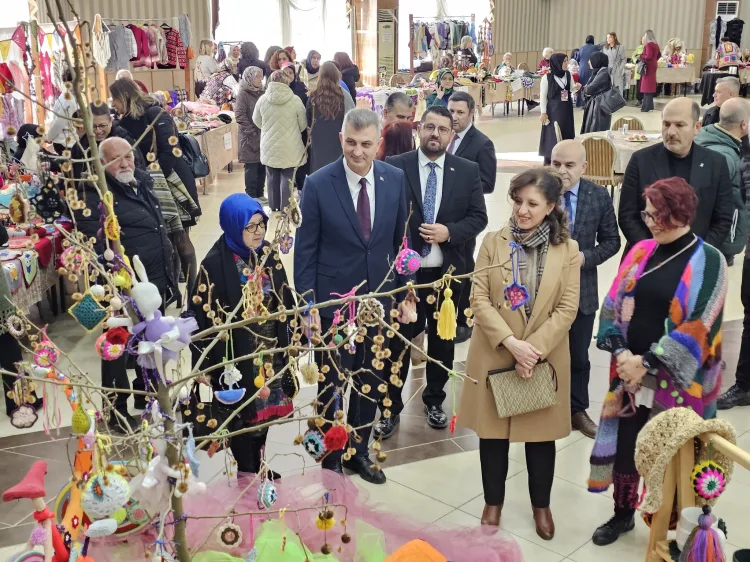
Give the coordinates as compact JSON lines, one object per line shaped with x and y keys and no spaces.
{"x":547,"y":329}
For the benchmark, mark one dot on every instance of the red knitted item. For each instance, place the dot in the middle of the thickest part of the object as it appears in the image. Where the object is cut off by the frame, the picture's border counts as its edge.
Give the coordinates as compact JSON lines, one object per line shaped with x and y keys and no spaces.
{"x":40,"y":516}
{"x":32,"y":485}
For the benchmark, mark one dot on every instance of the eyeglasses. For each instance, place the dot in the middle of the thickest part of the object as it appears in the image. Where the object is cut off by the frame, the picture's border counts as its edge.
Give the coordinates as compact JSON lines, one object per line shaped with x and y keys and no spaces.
{"x":253,"y":227}
{"x":646,"y":216}
{"x":442,"y":131}
{"x":101,"y":127}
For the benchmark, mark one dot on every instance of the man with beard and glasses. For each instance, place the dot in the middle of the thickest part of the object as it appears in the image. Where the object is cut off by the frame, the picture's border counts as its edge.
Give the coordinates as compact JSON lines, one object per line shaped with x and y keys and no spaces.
{"x":445,"y":195}
{"x":705,"y":170}
{"x":142,"y":232}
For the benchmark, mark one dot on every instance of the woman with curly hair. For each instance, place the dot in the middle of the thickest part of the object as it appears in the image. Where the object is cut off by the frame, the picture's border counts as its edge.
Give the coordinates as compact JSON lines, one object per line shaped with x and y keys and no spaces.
{"x":325,"y":115}
{"x":278,"y":59}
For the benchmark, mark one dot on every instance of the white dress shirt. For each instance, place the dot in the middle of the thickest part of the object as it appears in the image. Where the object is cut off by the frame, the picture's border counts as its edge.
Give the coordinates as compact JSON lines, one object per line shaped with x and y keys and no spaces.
{"x":352,"y":178}
{"x":459,"y":137}
{"x":435,"y":257}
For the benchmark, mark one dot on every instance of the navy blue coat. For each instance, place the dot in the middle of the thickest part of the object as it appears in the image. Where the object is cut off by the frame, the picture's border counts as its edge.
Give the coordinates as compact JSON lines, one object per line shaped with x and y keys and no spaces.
{"x":331,"y":254}
{"x":584,"y":54}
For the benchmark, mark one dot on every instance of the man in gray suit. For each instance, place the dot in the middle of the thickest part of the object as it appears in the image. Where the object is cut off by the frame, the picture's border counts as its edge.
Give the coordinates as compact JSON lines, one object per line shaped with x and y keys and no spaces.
{"x":592,"y":222}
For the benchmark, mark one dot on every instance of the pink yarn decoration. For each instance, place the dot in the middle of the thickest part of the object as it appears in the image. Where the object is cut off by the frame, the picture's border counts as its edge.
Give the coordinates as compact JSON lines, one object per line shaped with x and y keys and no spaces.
{"x":107,"y":350}
{"x":407,"y":260}
{"x":38,"y":536}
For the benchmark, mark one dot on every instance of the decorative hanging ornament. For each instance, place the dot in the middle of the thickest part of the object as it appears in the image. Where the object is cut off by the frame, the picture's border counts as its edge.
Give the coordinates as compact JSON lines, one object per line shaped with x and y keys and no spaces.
{"x":314,"y":443}
{"x":229,"y":534}
{"x":708,"y":480}
{"x":45,"y":354}
{"x":370,"y":312}
{"x":47,"y":203}
{"x":446,"y":327}
{"x":230,"y":378}
{"x":336,"y":438}
{"x":266,"y":494}
{"x":88,"y":312}
{"x":407,"y":260}
{"x":285,"y":244}
{"x":516,"y":294}
{"x":107,"y":350}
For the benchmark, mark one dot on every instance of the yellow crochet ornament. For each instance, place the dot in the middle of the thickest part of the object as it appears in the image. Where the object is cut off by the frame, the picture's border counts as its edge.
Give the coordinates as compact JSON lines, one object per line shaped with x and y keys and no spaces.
{"x":111,"y":225}
{"x":446,"y":327}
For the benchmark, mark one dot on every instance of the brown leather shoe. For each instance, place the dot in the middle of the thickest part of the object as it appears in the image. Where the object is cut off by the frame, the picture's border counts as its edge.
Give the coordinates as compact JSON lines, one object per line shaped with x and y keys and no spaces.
{"x":491,"y":514}
{"x":545,"y":526}
{"x":583,"y":423}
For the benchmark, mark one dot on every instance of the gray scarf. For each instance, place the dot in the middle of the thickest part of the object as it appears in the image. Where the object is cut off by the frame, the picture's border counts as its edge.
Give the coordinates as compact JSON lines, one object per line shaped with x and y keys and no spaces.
{"x":535,"y":244}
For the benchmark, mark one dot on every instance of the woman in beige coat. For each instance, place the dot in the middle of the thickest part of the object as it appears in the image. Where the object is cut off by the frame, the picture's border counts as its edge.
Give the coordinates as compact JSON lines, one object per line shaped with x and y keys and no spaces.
{"x":550,"y":269}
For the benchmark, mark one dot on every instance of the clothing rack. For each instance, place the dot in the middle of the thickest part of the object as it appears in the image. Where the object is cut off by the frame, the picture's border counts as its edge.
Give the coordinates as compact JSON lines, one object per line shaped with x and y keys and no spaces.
{"x":188,"y":80}
{"x":412,"y":18}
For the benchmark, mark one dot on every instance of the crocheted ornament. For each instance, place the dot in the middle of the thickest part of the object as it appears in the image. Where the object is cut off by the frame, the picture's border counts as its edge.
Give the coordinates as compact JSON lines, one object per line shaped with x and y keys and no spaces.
{"x":107,"y":350}
{"x":230,"y":377}
{"x":229,"y":534}
{"x":309,"y":372}
{"x":336,"y":438}
{"x":72,"y":259}
{"x":446,"y":328}
{"x":136,"y":514}
{"x":708,"y":480}
{"x":24,"y":416}
{"x":118,"y":335}
{"x":45,"y":354}
{"x":104,"y":494}
{"x":101,"y":528}
{"x":314,"y":443}
{"x":266,"y":494}
{"x":286,"y":243}
{"x":80,"y":422}
{"x":516,"y":294}
{"x":48,"y":204}
{"x":325,"y":520}
{"x":370,"y":312}
{"x":30,"y":263}
{"x":88,"y":312}
{"x":289,"y":384}
{"x":407,"y":260}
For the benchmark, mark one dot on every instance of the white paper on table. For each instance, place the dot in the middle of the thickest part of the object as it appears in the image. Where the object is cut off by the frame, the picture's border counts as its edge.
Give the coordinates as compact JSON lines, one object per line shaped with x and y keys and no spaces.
{"x":228,"y":141}
{"x":516,"y":85}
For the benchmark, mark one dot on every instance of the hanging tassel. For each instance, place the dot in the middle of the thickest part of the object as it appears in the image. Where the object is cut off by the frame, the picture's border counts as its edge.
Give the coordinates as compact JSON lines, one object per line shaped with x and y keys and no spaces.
{"x":703,"y":544}
{"x":447,"y":317}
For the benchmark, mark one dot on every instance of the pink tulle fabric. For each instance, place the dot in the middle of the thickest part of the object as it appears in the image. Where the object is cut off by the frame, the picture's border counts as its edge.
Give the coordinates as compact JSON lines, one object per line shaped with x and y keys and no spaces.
{"x":456,"y":543}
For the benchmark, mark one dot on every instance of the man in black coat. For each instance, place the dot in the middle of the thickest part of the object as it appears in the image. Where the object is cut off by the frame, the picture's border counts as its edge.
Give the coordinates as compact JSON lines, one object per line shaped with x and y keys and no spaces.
{"x":444,"y":193}
{"x":142,"y":232}
{"x":470,"y":143}
{"x":592,"y":222}
{"x":726,"y":88}
{"x":705,"y":170}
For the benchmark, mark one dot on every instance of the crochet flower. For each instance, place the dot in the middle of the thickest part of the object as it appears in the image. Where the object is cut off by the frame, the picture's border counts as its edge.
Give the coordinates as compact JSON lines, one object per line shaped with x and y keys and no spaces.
{"x":118,"y":336}
{"x":285,"y":244}
{"x":709,"y":480}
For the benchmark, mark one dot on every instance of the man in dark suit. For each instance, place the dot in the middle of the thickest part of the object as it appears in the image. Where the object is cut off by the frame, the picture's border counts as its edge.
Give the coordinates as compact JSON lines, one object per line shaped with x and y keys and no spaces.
{"x":726,"y":89}
{"x":705,"y":170}
{"x":592,"y":222}
{"x":470,"y":143}
{"x":354,"y":213}
{"x":448,"y":210}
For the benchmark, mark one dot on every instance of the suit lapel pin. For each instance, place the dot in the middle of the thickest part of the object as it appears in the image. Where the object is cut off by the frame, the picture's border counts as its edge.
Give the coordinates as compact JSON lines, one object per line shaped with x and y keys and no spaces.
{"x":453,"y":170}
{"x":381,"y":178}
{"x":701,"y":164}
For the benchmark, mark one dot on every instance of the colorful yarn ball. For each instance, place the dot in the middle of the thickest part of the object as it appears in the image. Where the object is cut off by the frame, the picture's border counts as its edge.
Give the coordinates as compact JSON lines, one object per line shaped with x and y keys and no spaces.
{"x":709,"y":480}
{"x":407,"y":261}
{"x":38,"y":536}
{"x":336,"y":438}
{"x":45,"y":355}
{"x":314,"y":444}
{"x":266,"y":495}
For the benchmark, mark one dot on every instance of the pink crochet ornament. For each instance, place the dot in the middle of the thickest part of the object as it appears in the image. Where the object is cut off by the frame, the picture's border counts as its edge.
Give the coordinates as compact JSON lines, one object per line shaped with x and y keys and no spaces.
{"x":107,"y":350}
{"x":45,"y":354}
{"x":407,"y":260}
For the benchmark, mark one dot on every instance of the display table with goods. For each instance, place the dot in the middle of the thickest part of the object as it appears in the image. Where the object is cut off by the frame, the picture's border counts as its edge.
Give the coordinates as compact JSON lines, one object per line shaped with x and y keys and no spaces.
{"x":666,"y":73}
{"x":511,"y":87}
{"x":625,"y":144}
{"x":375,"y":98}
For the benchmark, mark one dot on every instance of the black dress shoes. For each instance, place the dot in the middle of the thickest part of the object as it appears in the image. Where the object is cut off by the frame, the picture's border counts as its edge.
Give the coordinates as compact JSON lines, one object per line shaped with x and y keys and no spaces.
{"x":333,"y":462}
{"x":612,"y":529}
{"x":360,"y":463}
{"x":385,"y":427}
{"x":436,"y":417}
{"x":463,"y":333}
{"x":735,"y":396}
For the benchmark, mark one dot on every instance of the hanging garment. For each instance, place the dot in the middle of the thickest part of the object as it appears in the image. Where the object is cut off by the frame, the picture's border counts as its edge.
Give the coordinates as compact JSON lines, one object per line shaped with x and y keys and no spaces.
{"x":161,"y":44}
{"x":734,"y":30}
{"x":153,"y":45}
{"x":119,"y":48}
{"x":132,"y":43}
{"x":186,"y":30}
{"x":100,"y":42}
{"x":142,"y":55}
{"x":175,"y":49}
{"x":45,"y":70}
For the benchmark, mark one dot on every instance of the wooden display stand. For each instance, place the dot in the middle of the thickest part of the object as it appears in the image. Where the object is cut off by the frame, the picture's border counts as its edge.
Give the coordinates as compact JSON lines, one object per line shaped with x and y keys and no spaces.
{"x":677,"y":480}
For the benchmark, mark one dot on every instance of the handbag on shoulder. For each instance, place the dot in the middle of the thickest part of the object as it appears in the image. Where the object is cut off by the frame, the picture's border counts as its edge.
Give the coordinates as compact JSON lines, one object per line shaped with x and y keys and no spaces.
{"x":612,"y":101}
{"x":515,"y":395}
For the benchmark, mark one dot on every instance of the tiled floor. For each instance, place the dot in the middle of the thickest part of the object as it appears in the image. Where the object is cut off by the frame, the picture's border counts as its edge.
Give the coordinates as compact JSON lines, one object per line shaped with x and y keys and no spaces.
{"x":432,"y":475}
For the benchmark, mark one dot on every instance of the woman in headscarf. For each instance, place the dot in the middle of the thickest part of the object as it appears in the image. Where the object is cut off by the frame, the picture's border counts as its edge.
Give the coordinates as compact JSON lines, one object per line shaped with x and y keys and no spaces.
{"x":556,"y":95}
{"x":443,"y":90}
{"x":237,"y":258}
{"x":221,"y":87}
{"x":311,"y":72}
{"x":584,"y":54}
{"x":595,"y":118}
{"x":249,"y":57}
{"x":251,"y":88}
{"x":234,"y":57}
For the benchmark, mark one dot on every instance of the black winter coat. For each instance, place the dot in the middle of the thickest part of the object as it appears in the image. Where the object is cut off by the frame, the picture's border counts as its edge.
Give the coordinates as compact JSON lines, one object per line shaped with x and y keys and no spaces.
{"x":81,"y":149}
{"x":142,"y":229}
{"x":350,"y":76}
{"x":158,"y":141}
{"x":594,"y":117}
{"x":246,"y":62}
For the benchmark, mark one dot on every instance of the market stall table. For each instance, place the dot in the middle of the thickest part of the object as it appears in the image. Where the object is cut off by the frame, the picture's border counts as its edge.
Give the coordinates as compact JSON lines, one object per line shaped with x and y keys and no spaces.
{"x":497,"y":92}
{"x":476,"y":91}
{"x":31,"y":271}
{"x":220,"y":145}
{"x":624,"y":148}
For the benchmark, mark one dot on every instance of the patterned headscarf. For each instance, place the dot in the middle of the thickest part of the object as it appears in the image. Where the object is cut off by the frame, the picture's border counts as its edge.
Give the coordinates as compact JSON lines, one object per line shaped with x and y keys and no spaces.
{"x":248,"y":77}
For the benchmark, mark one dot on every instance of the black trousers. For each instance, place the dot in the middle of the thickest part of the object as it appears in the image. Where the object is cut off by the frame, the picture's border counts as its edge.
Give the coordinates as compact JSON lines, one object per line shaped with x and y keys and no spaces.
{"x":540,"y":464}
{"x":465,"y":286}
{"x":255,"y":179}
{"x":743,"y":365}
{"x":361,"y":411}
{"x":10,"y":355}
{"x":247,"y":450}
{"x":648,"y":102}
{"x":625,"y":474}
{"x":580,"y":335}
{"x":638,"y":94}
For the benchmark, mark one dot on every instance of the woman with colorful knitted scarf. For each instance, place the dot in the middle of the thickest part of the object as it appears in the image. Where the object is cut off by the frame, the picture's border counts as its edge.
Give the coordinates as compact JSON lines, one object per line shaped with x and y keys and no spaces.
{"x":661,"y":320}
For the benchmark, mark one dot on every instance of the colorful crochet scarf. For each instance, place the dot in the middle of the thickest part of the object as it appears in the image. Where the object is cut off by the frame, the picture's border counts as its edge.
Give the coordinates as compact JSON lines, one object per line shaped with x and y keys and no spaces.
{"x":689,"y":353}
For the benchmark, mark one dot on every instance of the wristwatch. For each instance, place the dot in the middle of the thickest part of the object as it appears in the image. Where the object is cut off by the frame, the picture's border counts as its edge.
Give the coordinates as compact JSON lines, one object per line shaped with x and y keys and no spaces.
{"x":647,"y":365}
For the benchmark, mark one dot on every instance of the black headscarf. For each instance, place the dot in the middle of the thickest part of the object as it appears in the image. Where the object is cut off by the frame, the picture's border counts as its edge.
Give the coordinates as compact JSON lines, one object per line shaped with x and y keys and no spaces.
{"x":599,"y":60}
{"x":555,"y":64}
{"x":589,"y":39}
{"x":249,"y":51}
{"x":308,"y":63}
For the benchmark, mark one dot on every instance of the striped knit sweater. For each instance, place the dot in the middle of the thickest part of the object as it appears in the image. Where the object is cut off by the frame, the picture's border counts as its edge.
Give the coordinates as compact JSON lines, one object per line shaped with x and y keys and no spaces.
{"x":689,"y":353}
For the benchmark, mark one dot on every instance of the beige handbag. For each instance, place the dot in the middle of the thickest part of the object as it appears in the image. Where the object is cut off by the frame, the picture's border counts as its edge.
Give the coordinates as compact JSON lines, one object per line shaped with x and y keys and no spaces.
{"x":515,"y":395}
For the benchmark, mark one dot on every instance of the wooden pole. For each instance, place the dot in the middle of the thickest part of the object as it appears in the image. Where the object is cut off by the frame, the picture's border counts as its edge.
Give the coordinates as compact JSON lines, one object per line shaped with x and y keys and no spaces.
{"x":411,"y":44}
{"x":34,"y":42}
